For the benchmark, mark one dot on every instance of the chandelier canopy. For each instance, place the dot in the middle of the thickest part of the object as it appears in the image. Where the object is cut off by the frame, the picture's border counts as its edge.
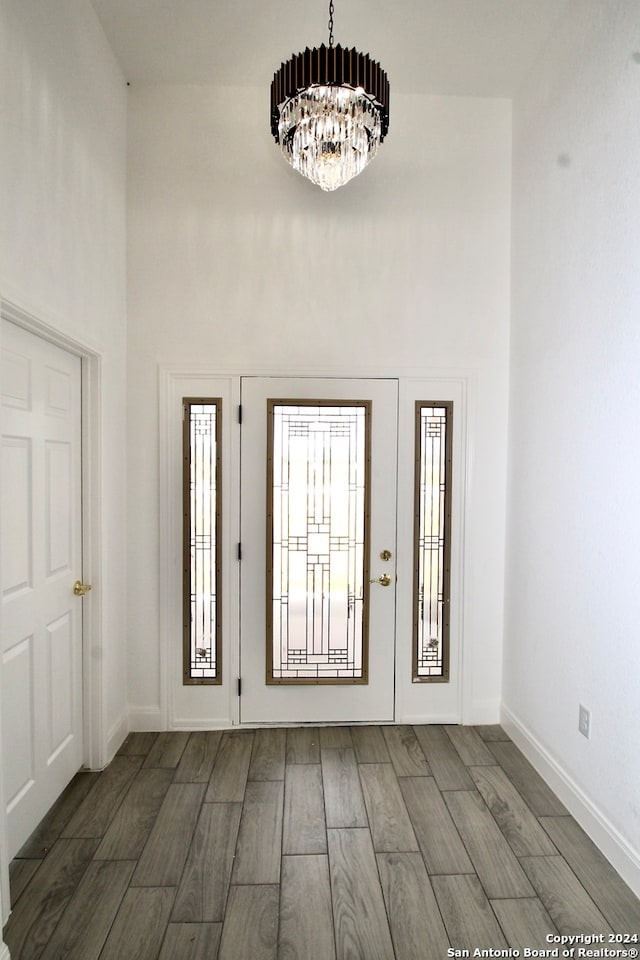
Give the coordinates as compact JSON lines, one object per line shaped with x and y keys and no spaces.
{"x":329,"y":111}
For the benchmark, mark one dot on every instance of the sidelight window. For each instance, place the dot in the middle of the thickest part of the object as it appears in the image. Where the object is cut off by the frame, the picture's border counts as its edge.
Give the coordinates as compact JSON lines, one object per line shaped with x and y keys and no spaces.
{"x":201,"y":541}
{"x":432,"y":534}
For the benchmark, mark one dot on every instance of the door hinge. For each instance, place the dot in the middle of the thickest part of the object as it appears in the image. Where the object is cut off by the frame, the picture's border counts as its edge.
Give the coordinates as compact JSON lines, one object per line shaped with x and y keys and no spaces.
{"x":239,"y":413}
{"x":239,"y":551}
{"x":239,"y":686}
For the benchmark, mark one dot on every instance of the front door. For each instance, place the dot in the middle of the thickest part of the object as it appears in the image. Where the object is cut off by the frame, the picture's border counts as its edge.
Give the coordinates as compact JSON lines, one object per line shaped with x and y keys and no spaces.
{"x":318,"y":532}
{"x":41,"y":553}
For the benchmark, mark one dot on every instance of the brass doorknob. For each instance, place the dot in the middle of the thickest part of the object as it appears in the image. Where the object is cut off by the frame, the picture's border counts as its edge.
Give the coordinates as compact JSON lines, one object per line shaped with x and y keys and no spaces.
{"x":80,"y":589}
{"x":384,"y":580}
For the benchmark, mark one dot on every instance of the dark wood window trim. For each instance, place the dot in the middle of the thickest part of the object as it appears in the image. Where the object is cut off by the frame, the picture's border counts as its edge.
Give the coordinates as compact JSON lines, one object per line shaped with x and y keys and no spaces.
{"x":213,"y":664}
{"x":364,"y":674}
{"x":440,"y":642}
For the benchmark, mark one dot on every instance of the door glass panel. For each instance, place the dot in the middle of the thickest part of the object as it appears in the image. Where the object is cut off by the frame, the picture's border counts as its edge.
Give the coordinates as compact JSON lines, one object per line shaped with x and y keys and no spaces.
{"x":317,"y":541}
{"x":431,"y":547}
{"x":201,"y":491}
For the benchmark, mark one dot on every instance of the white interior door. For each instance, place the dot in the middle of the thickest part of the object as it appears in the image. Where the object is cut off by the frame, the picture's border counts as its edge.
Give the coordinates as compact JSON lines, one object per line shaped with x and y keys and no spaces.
{"x":41,"y":558}
{"x":318,"y":502}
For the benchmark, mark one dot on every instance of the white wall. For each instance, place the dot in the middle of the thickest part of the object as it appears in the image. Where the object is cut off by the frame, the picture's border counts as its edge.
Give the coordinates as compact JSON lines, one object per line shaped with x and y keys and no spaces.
{"x":62,"y":247}
{"x":235,"y":261}
{"x":573,"y":567}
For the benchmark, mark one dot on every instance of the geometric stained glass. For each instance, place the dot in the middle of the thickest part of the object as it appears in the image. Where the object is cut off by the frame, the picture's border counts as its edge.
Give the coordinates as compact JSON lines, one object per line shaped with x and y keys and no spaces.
{"x":317,"y":541}
{"x":201,"y":536}
{"x":432,"y":541}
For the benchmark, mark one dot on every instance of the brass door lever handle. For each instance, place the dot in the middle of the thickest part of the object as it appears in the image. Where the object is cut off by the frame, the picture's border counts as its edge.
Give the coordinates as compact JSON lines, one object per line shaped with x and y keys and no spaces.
{"x":384,"y":580}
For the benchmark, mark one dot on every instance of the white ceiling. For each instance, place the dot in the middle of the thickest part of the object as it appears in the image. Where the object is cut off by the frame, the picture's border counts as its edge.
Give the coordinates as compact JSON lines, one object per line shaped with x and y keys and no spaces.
{"x":456,"y":47}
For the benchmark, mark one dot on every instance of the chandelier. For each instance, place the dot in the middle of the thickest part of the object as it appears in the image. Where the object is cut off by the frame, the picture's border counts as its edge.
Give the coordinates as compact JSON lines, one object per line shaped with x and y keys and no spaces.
{"x":329,"y":111}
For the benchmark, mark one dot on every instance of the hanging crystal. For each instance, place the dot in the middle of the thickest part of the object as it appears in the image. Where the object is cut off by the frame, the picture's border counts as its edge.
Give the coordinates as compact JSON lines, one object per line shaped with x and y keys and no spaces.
{"x":329,"y":134}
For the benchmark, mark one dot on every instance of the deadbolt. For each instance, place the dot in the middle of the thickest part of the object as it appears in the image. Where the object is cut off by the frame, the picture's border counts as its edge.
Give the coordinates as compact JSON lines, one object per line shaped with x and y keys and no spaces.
{"x":385,"y":554}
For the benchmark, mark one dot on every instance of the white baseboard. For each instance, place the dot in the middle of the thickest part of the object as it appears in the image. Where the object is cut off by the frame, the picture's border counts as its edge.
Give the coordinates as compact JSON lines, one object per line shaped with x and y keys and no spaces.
{"x":624,"y":859}
{"x":142,"y":719}
{"x":482,"y":712}
{"x":145,"y":719}
{"x":428,"y":718}
{"x":117,"y":736}
{"x":224,"y":723}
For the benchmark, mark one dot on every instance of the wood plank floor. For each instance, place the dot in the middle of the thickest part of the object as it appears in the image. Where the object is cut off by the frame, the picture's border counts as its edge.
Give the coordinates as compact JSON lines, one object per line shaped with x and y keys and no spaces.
{"x":334,"y":843}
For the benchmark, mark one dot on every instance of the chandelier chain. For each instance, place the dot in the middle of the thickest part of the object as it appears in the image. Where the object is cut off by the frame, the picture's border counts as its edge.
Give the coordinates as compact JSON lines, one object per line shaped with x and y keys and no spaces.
{"x":330,"y":23}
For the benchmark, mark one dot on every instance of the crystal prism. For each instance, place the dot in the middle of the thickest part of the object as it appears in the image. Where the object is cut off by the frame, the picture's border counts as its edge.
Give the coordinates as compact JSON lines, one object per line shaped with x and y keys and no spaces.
{"x":329,"y":133}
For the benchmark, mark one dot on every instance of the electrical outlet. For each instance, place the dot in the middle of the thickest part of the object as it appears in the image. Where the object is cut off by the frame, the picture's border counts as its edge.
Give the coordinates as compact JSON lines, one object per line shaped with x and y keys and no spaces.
{"x":584,"y":722}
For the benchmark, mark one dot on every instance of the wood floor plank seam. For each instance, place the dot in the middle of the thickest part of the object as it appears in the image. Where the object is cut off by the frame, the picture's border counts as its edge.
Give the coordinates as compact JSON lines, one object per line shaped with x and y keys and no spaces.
{"x":596,"y":874}
{"x":513,"y":815}
{"x":204,"y":883}
{"x":417,"y":926}
{"x":439,"y":840}
{"x":304,"y":827}
{"x":552,"y":879}
{"x":333,"y":874}
{"x":259,"y":844}
{"x":303,"y":745}
{"x":103,"y":800}
{"x":552,"y":850}
{"x":167,"y":749}
{"x":525,"y":923}
{"x":387,"y":814}
{"x":360,"y":918}
{"x":165,"y":853}
{"x":199,"y":757}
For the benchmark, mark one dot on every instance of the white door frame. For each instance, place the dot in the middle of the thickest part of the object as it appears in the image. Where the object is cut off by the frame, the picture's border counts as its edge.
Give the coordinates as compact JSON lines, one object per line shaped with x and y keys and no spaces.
{"x":94,"y":746}
{"x":176,"y":382}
